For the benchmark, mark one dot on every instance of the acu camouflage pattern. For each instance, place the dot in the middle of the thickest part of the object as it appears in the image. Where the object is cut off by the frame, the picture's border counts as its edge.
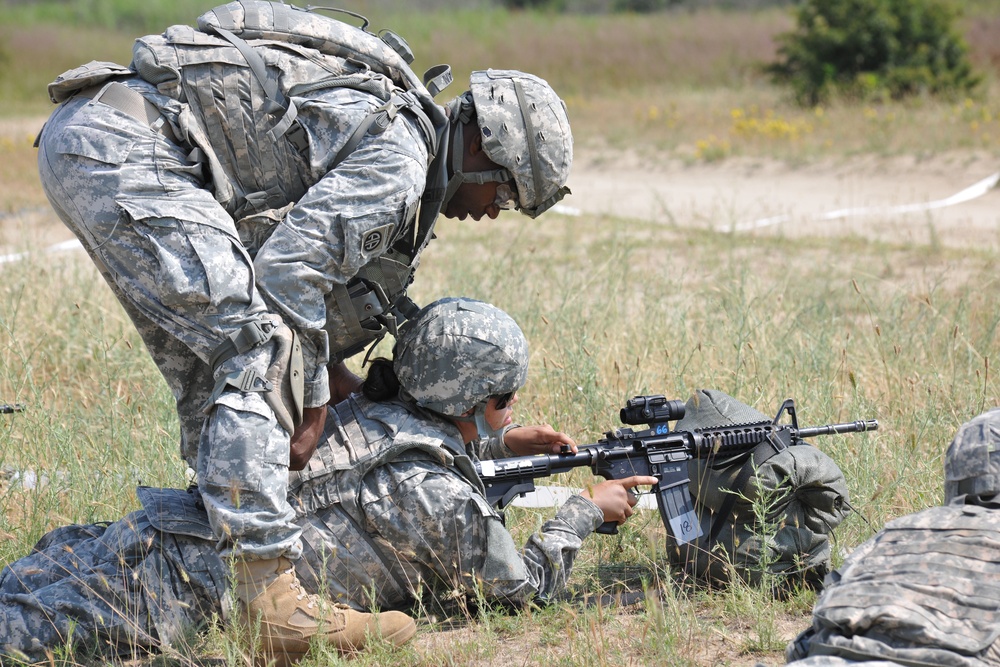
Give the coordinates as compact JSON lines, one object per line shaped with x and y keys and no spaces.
{"x":123,"y":589}
{"x":189,"y":274}
{"x":834,"y":661}
{"x":924,"y":591}
{"x":391,"y":512}
{"x":972,"y":462}
{"x":456,"y":353}
{"x":525,"y":129}
{"x":173,"y":258}
{"x":311,"y":228}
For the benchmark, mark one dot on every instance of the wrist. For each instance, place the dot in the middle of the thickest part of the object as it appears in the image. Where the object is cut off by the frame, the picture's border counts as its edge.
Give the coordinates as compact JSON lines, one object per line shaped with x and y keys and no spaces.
{"x":506,"y":450}
{"x":507,"y":429}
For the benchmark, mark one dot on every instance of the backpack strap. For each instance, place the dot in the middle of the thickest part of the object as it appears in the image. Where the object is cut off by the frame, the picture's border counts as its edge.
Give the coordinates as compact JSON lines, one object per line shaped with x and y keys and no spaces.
{"x":288,"y":126}
{"x":761,"y":453}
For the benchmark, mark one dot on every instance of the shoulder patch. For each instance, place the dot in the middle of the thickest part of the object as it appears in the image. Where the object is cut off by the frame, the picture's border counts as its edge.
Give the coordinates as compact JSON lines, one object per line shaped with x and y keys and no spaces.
{"x":375,"y":239}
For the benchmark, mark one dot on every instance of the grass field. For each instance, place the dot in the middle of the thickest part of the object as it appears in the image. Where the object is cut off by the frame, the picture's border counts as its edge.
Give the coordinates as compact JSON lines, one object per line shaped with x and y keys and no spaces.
{"x":612,"y":308}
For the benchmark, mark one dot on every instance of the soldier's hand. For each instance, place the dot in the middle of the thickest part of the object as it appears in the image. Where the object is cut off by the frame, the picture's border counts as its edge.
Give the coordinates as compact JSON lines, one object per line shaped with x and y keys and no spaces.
{"x":543,"y":439}
{"x":306,"y":437}
{"x":615,"y":498}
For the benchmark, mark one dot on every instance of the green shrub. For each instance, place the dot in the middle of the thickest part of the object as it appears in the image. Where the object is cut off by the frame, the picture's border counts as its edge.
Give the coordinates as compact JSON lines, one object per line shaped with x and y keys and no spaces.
{"x":867,"y":49}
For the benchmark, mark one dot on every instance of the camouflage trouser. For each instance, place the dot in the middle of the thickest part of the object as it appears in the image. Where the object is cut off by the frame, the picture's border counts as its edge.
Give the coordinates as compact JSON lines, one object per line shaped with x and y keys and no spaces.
{"x":828,"y":661}
{"x":836,"y":647}
{"x":172,"y":256}
{"x":114,"y":589}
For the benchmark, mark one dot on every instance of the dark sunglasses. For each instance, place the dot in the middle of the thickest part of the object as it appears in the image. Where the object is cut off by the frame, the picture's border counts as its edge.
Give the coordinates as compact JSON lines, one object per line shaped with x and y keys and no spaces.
{"x":503,"y":400}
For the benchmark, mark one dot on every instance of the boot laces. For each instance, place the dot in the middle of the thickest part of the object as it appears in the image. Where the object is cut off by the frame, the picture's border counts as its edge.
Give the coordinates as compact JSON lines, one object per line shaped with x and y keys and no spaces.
{"x":301,"y":594}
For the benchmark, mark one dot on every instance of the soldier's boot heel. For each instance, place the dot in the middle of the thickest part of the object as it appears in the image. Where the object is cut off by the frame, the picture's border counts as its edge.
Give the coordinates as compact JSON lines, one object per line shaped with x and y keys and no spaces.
{"x":271,"y":597}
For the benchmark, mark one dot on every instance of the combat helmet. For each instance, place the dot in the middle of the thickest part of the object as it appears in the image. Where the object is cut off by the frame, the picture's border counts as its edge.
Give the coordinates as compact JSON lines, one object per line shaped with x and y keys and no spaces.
{"x":456,"y":353}
{"x":525,"y":130}
{"x":972,"y":463}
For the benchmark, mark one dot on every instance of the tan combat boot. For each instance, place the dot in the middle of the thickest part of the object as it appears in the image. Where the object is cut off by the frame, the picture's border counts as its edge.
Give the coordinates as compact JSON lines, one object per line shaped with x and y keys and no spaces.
{"x":270,"y":594}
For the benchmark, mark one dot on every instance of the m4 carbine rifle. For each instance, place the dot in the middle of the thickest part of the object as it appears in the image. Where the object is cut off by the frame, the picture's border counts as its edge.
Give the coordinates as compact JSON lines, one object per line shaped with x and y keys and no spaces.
{"x":656,"y":451}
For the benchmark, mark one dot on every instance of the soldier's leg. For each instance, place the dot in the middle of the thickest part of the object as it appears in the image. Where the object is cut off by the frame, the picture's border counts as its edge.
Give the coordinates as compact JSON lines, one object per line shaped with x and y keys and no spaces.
{"x":173,"y":256}
{"x":190,"y":380}
{"x":101,"y":588}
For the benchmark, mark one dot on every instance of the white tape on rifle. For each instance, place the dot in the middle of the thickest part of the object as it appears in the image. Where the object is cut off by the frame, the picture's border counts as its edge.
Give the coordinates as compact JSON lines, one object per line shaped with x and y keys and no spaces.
{"x":972,"y":192}
{"x":554,"y":496}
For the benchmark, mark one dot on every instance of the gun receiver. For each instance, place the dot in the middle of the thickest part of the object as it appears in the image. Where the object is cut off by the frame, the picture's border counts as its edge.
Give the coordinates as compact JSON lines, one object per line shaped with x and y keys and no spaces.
{"x":656,"y":451}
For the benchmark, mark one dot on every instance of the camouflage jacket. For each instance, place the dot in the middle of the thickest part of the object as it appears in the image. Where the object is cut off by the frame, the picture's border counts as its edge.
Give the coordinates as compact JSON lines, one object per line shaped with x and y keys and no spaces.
{"x":392,"y":509}
{"x":313,"y":208}
{"x":924,"y":591}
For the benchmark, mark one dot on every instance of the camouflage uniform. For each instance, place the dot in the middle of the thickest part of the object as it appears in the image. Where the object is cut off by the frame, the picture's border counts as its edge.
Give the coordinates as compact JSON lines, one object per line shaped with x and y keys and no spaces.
{"x":114,"y":588}
{"x":189,"y":273}
{"x":394,"y":494}
{"x":926,"y":589}
{"x":224,"y":194}
{"x":391,"y":511}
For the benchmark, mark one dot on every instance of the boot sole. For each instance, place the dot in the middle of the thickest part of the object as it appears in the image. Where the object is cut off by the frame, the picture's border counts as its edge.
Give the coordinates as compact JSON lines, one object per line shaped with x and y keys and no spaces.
{"x":287,"y":659}
{"x":397,"y":639}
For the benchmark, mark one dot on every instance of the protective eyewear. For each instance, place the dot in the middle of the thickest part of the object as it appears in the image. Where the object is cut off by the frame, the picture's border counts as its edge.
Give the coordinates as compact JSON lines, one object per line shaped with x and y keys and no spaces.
{"x":503,"y":400}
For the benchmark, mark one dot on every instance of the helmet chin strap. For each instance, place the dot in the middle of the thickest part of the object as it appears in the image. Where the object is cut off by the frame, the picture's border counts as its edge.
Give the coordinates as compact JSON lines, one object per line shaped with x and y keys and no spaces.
{"x":461,"y":112}
{"x":478,"y":417}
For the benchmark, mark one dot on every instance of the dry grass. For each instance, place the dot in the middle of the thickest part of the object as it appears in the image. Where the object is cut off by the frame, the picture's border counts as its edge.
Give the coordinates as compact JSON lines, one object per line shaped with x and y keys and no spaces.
{"x":612,"y":308}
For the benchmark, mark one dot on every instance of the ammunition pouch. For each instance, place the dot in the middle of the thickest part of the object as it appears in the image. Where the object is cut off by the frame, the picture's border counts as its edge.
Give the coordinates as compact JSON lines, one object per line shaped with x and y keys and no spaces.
{"x":366,"y":314}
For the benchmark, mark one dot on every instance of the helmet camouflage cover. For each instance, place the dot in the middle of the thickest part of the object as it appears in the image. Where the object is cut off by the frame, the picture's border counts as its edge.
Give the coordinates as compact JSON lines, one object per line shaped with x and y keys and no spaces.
{"x":456,"y":353}
{"x":972,"y":463}
{"x":525,"y":130}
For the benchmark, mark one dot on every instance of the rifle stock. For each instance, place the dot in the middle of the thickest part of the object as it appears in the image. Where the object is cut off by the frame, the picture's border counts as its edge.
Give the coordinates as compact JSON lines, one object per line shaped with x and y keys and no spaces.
{"x":656,"y":451}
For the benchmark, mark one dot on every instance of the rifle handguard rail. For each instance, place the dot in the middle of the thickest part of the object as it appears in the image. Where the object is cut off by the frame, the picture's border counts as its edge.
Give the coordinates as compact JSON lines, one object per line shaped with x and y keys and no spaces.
{"x":656,"y":451}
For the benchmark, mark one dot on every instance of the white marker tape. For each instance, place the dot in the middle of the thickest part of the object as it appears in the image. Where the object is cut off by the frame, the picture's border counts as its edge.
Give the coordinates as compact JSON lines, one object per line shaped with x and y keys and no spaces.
{"x":972,"y":192}
{"x":562,"y":209}
{"x":554,"y":496}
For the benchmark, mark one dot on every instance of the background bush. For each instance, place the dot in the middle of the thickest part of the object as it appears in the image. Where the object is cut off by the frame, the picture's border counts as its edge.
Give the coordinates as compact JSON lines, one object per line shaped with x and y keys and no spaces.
{"x":874,"y":48}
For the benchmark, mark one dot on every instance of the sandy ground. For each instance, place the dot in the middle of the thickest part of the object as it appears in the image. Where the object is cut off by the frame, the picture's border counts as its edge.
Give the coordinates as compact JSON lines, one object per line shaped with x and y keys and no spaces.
{"x":888,"y":199}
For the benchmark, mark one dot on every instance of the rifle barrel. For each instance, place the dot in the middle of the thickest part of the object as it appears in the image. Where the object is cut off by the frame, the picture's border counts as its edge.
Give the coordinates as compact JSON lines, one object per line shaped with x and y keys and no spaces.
{"x":860,"y":426}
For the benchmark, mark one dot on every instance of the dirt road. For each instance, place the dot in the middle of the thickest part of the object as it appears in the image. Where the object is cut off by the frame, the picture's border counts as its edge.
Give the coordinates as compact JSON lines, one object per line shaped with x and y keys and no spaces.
{"x":890,"y":199}
{"x":899,"y":199}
